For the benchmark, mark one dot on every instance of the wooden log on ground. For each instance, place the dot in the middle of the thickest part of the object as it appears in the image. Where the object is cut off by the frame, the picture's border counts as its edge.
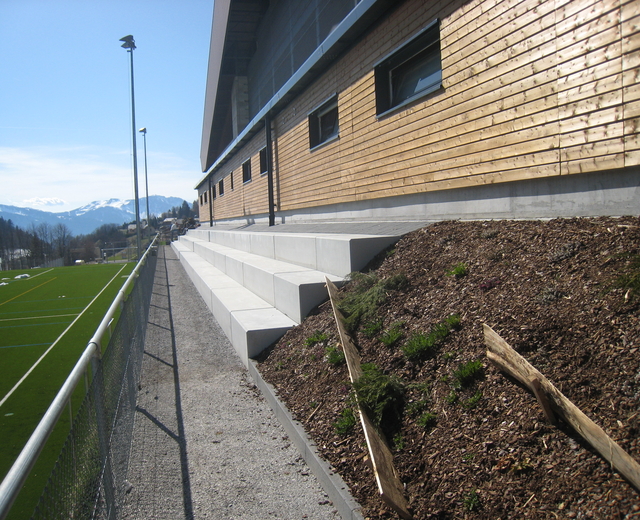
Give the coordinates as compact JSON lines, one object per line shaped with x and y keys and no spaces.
{"x":508,"y":360}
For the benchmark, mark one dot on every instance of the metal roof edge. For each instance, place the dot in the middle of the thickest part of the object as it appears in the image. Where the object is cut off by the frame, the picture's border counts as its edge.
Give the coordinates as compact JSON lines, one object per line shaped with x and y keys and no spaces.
{"x":343,"y":35}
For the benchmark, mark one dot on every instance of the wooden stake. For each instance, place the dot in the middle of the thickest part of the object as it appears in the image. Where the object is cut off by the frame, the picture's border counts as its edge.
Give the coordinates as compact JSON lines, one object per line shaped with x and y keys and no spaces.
{"x":502,"y":355}
{"x":381,"y":458}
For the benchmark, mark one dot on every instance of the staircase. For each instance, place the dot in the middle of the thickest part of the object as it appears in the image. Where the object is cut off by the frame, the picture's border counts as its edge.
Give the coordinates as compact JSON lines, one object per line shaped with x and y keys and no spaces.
{"x":260,"y":284}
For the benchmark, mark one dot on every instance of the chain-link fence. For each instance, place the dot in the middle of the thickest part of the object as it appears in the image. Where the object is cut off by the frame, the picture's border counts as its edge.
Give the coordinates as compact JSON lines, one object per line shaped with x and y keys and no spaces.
{"x":88,"y":480}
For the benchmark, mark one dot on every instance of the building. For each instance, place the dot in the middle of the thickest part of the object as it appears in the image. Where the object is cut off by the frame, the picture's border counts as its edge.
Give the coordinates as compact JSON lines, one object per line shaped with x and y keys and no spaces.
{"x":414,"y":109}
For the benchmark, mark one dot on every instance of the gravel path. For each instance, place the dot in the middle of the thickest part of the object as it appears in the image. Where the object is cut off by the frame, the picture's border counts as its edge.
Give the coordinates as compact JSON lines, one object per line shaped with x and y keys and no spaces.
{"x":206,"y":445}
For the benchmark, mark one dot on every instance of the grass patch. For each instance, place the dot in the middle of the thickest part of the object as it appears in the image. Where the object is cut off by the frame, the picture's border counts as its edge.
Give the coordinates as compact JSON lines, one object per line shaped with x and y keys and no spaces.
{"x":372,"y":328}
{"x":473,"y":401}
{"x":334,"y":356}
{"x":428,"y":420}
{"x":345,"y":423}
{"x":393,"y":334}
{"x":421,"y":346}
{"x":630,"y":280}
{"x":467,"y":373}
{"x":367,"y":293}
{"x":459,"y":270}
{"x":317,"y":337}
{"x":380,"y":396}
{"x":471,"y":501}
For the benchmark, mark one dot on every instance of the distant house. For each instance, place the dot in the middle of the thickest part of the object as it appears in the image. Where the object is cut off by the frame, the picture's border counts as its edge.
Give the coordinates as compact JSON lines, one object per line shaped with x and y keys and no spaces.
{"x":377,"y":109}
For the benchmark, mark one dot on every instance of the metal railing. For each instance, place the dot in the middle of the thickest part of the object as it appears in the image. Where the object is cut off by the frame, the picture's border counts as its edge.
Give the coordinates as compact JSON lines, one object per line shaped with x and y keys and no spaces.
{"x":88,"y":478}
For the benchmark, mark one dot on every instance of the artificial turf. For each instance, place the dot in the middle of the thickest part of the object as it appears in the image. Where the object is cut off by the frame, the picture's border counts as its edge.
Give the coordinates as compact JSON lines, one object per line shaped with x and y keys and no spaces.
{"x":34,"y":312}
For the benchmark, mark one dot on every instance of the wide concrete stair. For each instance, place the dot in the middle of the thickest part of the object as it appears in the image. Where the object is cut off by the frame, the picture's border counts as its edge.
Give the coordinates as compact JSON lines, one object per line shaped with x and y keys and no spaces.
{"x":258,"y":285}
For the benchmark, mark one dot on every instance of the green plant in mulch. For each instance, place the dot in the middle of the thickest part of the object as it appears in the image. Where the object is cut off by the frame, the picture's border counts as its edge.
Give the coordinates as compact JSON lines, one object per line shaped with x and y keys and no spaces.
{"x":419,"y":403}
{"x":381,"y":397}
{"x":466,"y":374}
{"x":630,"y":279}
{"x":345,"y":423}
{"x":398,"y":442}
{"x":317,"y":337}
{"x":471,"y":501}
{"x":366,"y":293}
{"x":420,"y":346}
{"x":393,"y":334}
{"x":459,"y":270}
{"x":473,"y":400}
{"x":371,"y":328}
{"x":427,"y":420}
{"x":334,"y":356}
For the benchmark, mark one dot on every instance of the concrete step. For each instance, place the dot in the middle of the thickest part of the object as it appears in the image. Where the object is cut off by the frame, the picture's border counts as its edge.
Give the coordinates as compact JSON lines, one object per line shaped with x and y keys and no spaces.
{"x":336,"y":254}
{"x":260,"y":284}
{"x":250,"y":323}
{"x":290,"y":288}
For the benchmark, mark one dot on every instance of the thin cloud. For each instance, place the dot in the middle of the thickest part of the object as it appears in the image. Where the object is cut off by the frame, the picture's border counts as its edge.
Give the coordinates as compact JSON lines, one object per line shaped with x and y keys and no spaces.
{"x":45,"y":202}
{"x":65,"y":178}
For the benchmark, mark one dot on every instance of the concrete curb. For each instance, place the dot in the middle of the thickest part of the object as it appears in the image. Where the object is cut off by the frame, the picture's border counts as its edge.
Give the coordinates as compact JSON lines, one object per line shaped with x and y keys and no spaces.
{"x":330,"y":481}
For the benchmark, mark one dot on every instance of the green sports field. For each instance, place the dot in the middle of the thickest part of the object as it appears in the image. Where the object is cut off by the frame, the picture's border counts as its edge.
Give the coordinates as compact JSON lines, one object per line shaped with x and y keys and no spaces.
{"x":46,"y":321}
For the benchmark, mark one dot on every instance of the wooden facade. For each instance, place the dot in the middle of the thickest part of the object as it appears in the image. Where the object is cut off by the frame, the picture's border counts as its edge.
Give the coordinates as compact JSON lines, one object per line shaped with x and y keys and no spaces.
{"x":531,"y":89}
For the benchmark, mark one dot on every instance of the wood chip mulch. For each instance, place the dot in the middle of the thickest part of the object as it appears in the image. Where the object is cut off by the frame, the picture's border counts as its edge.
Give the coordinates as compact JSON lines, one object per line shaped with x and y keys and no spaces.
{"x":549,"y":288}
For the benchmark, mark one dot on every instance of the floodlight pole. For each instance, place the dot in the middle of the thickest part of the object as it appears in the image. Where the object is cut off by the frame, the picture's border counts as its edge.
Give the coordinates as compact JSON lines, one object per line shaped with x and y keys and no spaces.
{"x":146,"y":179}
{"x":130,"y":45}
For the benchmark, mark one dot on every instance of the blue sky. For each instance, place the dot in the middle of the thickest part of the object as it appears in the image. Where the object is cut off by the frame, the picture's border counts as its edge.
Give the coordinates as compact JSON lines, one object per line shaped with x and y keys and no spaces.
{"x":65,"y":99}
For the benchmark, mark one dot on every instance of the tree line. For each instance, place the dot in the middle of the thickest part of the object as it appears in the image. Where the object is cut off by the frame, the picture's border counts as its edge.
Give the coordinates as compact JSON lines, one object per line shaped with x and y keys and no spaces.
{"x":47,"y":245}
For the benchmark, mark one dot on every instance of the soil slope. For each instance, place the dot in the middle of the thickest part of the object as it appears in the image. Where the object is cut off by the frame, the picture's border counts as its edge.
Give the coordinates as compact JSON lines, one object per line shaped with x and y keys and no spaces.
{"x":480,"y":447}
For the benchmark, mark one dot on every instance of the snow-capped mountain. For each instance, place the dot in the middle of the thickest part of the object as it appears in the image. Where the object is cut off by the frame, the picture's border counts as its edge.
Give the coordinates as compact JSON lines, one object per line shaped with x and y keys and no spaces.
{"x":87,"y":218}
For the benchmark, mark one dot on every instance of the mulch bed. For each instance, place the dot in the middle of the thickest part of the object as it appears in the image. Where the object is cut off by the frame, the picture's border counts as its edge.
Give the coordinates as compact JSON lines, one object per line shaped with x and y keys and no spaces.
{"x":549,"y":289}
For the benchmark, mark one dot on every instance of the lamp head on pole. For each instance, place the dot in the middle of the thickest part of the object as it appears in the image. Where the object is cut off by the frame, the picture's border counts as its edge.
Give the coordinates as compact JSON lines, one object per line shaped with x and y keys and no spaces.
{"x":143,"y":131}
{"x":129,"y":42}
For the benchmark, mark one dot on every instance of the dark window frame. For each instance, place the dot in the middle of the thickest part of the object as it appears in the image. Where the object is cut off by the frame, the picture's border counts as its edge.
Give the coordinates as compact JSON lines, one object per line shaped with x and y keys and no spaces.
{"x":231,"y":179}
{"x":263,"y":161}
{"x":422,"y":51}
{"x":324,"y":123}
{"x":246,"y":171}
{"x":221,"y":187}
{"x":213,"y":192}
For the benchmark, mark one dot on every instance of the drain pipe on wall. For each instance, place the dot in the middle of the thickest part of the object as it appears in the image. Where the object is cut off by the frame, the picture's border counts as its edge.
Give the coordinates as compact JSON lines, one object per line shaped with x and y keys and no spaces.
{"x":267,"y":129}
{"x":210,"y":204}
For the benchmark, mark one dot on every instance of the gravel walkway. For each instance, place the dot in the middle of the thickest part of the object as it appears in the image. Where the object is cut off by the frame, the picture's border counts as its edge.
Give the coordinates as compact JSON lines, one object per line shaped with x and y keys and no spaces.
{"x":206,"y":444}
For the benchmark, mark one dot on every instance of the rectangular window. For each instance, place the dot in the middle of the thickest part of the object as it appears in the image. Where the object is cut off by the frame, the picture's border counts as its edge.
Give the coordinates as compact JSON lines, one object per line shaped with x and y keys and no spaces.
{"x":213,"y":191}
{"x":201,"y":199}
{"x":221,"y":187}
{"x":246,"y":171}
{"x":323,"y":123}
{"x":263,"y":161}
{"x":412,"y":71}
{"x":231,"y":180}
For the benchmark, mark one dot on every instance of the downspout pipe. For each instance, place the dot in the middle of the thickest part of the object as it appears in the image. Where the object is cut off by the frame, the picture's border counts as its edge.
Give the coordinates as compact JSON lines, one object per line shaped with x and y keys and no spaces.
{"x":210,"y":204}
{"x":272,"y":211}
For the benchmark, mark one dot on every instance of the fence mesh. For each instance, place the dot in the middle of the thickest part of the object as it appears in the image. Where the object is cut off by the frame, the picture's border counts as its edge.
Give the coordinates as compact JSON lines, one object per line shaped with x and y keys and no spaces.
{"x":88,"y":480}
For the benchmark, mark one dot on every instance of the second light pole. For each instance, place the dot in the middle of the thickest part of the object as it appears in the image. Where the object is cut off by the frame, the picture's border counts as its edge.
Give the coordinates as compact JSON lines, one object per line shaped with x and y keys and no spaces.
{"x":143,"y":131}
{"x":130,"y":45}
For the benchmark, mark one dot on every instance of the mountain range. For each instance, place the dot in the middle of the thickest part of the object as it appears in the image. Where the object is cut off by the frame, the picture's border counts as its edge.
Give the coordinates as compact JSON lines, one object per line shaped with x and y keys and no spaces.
{"x":86,"y":219}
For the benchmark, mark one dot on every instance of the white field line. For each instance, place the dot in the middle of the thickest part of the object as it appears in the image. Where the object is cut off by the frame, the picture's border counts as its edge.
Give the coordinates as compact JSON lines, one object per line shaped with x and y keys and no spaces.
{"x":58,"y":339}
{"x":40,"y":317}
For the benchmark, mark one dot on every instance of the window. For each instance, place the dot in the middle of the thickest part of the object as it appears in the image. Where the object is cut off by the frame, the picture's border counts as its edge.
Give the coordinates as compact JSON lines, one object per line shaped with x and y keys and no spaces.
{"x":246,"y":171}
{"x":263,"y":161}
{"x":323,"y":123}
{"x":213,"y":192}
{"x":231,"y":180}
{"x":221,"y":187}
{"x":205,"y":197}
{"x":412,"y":71}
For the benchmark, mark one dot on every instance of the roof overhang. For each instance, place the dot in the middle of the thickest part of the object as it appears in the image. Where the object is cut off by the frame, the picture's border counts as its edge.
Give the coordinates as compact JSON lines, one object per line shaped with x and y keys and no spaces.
{"x":356,"y":23}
